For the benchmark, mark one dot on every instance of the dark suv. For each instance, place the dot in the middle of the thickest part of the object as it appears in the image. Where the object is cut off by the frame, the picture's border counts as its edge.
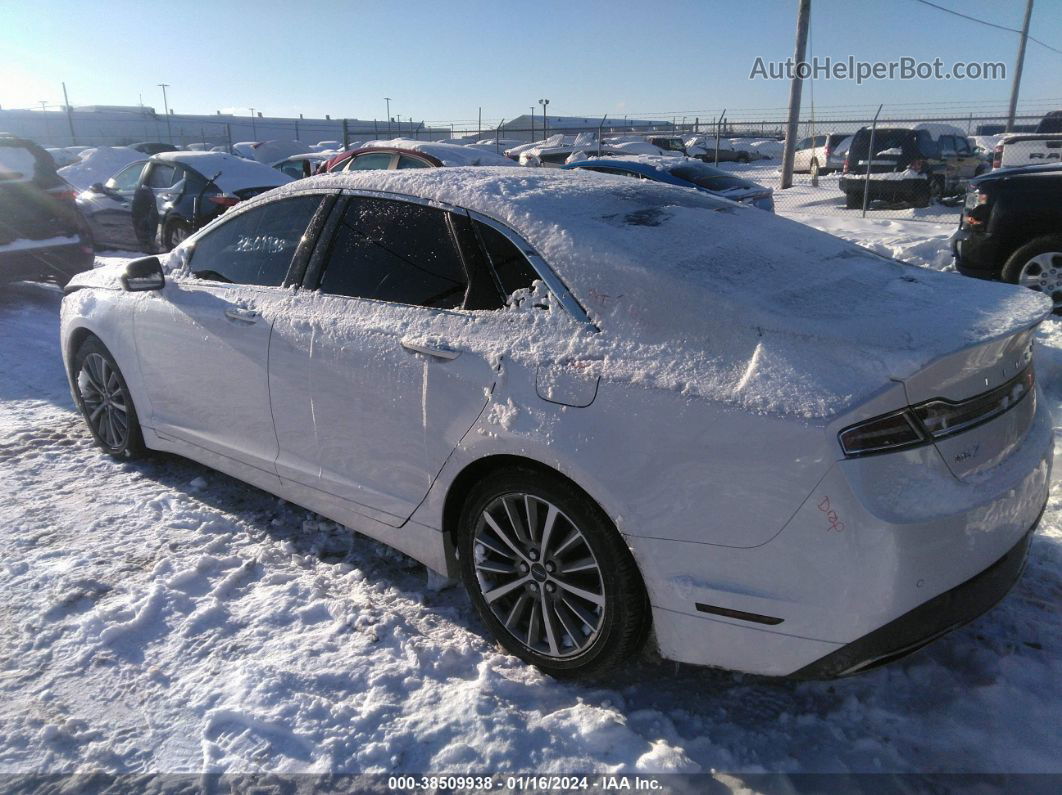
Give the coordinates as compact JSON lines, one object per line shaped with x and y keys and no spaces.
{"x":42,"y":235}
{"x":1011,"y":229}
{"x":910,"y":164}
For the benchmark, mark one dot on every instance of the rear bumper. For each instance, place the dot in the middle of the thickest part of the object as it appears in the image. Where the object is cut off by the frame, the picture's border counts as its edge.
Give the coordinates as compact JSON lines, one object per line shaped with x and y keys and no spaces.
{"x":977,"y":254}
{"x":884,"y":188}
{"x":927,"y":622}
{"x":50,"y":262}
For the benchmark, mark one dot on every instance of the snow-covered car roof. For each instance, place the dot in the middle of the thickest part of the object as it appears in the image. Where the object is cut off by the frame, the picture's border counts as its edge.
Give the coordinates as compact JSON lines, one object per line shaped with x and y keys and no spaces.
{"x":936,"y":129}
{"x":699,"y":295}
{"x":448,"y":154}
{"x":236,"y":173}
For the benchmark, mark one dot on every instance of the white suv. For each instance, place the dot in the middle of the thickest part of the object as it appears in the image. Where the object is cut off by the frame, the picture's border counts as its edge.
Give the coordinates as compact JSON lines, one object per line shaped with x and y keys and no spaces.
{"x":813,"y":154}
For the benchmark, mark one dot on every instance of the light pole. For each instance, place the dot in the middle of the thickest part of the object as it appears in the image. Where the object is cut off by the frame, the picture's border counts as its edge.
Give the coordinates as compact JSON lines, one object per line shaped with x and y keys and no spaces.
{"x":532,"y":123}
{"x":166,"y":108}
{"x":388,"y":101}
{"x":545,"y":122}
{"x":254,"y":130}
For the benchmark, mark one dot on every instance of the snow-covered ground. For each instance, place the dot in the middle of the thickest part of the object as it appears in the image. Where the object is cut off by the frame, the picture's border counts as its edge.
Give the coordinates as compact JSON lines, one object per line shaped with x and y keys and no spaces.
{"x":159,"y":616}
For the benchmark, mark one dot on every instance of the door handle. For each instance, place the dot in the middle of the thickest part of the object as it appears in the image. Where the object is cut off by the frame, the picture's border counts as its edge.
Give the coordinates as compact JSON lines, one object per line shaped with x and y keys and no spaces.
{"x":438,"y":351}
{"x":241,"y":315}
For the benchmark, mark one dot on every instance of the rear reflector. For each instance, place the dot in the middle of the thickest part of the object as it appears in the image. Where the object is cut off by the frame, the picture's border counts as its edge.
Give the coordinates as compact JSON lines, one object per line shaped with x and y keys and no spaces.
{"x":224,"y":201}
{"x":934,"y":419}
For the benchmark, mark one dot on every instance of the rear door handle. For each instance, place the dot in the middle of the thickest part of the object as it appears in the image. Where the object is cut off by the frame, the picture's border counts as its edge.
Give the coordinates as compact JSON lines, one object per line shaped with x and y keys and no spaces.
{"x":241,"y":315}
{"x":437,"y":351}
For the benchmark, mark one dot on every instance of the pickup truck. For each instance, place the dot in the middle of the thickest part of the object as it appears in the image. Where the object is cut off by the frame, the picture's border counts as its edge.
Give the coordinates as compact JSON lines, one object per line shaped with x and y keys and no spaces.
{"x":1031,"y":149}
{"x":1011,"y":229}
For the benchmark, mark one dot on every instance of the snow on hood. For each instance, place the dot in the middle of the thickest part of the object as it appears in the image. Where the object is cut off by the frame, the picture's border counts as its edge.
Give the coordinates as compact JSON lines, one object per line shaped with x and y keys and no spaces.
{"x":99,"y":165}
{"x":700,"y":295}
{"x":236,"y":174}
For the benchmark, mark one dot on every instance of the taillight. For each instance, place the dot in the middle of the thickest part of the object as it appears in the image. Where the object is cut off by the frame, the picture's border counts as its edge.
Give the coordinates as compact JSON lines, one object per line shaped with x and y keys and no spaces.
{"x":224,"y":201}
{"x":65,"y":193}
{"x":997,"y":158}
{"x":845,"y":168}
{"x":934,"y":419}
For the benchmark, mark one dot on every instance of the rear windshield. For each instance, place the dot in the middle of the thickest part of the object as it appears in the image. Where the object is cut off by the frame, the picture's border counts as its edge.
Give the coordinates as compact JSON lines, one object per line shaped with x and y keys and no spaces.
{"x":897,"y":141}
{"x":709,"y":178}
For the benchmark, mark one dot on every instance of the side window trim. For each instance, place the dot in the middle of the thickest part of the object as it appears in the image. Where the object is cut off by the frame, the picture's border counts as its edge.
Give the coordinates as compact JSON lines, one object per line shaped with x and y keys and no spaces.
{"x":545,"y":273}
{"x":309,"y":244}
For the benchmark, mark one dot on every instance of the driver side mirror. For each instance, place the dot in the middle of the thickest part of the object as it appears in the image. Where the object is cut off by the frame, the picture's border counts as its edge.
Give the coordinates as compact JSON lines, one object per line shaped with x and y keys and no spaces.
{"x":143,"y":274}
{"x":98,"y":187}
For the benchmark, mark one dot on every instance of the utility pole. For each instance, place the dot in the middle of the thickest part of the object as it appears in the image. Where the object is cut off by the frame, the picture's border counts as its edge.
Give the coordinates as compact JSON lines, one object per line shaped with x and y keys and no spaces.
{"x":1018,"y":67}
{"x":480,"y":133}
{"x":254,"y":130}
{"x":532,"y":123}
{"x":792,"y":128}
{"x":388,"y":101}
{"x":69,"y":116}
{"x":166,"y":107}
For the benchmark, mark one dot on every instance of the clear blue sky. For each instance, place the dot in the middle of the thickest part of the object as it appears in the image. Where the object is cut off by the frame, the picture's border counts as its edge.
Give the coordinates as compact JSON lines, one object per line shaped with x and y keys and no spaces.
{"x":442,"y":60}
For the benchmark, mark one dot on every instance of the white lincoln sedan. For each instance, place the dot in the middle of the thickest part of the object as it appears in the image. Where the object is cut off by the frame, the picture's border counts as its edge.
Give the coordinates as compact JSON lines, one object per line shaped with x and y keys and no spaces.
{"x":617,"y":410}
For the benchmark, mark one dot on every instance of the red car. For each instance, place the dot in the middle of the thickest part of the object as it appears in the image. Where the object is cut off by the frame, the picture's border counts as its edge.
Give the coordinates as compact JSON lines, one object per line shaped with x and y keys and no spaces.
{"x":407,"y":153}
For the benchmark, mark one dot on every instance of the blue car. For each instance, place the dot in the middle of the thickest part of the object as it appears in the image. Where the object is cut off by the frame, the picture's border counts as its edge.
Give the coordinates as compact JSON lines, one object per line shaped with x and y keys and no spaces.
{"x":686,"y":173}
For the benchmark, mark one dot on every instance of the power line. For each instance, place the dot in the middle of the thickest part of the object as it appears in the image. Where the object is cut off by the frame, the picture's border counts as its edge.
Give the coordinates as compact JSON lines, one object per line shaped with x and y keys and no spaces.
{"x":988,"y":24}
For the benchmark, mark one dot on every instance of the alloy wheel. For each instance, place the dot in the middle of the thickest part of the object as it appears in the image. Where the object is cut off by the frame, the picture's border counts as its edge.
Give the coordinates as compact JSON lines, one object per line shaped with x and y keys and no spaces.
{"x":105,"y":401}
{"x":1044,"y":274}
{"x":538,"y":575}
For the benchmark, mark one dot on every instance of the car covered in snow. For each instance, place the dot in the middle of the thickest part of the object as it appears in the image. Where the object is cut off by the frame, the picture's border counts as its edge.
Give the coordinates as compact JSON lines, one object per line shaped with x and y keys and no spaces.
{"x":154,"y":204}
{"x":916,"y":164}
{"x":605,"y":404}
{"x":684,"y":172}
{"x":404,"y":153}
{"x":42,"y":235}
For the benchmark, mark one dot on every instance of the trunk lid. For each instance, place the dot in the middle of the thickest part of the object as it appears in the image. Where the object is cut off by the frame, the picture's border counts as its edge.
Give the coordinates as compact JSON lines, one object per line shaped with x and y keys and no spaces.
{"x":979,"y":400}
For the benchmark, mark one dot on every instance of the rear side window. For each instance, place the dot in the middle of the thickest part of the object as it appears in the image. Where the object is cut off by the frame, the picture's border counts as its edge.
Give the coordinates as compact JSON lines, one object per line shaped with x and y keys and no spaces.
{"x":404,"y":161}
{"x":510,"y":265}
{"x":370,"y":161}
{"x":395,"y":251}
{"x":255,"y":247}
{"x":17,"y":164}
{"x":161,"y":176}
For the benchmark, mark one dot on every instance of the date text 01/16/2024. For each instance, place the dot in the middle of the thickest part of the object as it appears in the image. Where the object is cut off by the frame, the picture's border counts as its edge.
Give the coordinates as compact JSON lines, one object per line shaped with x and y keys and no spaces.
{"x":525,"y":783}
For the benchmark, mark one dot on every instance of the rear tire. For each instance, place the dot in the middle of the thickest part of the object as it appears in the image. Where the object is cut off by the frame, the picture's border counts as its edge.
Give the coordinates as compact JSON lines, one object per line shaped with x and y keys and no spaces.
{"x":1038,"y":266}
{"x":815,"y":170}
{"x":174,"y":233}
{"x":104,"y":401}
{"x":567,"y":599}
{"x":853,"y":200}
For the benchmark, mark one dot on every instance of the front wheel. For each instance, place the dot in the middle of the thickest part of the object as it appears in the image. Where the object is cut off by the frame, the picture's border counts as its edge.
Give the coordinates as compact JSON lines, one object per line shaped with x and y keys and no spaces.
{"x":1038,"y":266}
{"x":815,"y":171}
{"x":103,"y":398}
{"x":550,"y":575}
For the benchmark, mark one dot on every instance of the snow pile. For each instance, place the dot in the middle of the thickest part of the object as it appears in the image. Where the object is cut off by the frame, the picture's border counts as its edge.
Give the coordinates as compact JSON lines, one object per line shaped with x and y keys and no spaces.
{"x":99,"y":165}
{"x":667,"y":276}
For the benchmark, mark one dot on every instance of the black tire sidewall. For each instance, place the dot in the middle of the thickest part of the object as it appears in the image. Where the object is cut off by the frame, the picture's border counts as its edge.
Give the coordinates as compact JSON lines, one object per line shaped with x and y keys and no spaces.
{"x":167,"y":232}
{"x":134,"y":443}
{"x":626,"y":604}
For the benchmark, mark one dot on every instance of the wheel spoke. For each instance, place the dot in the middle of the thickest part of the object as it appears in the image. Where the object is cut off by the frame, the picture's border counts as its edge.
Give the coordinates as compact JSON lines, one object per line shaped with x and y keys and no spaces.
{"x":95,"y":413}
{"x":517,"y":609}
{"x":580,"y":612}
{"x":575,"y":536}
{"x":582,"y":593}
{"x":495,"y":547}
{"x":571,"y":627}
{"x":502,"y":534}
{"x":585,"y":564}
{"x":547,"y":621}
{"x":515,"y":520}
{"x":532,"y":517}
{"x":533,"y":626}
{"x":497,"y":593}
{"x":495,"y":568}
{"x":547,"y":528}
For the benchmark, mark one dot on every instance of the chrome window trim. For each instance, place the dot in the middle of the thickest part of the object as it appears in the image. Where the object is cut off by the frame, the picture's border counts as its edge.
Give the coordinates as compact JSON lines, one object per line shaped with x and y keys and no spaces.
{"x":557,"y":287}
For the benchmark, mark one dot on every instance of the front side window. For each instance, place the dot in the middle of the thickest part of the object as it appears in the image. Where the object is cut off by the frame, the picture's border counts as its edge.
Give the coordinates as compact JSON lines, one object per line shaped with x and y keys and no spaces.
{"x":947,"y":146}
{"x":126,"y":179}
{"x":255,"y":247}
{"x":395,"y":251}
{"x":370,"y":161}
